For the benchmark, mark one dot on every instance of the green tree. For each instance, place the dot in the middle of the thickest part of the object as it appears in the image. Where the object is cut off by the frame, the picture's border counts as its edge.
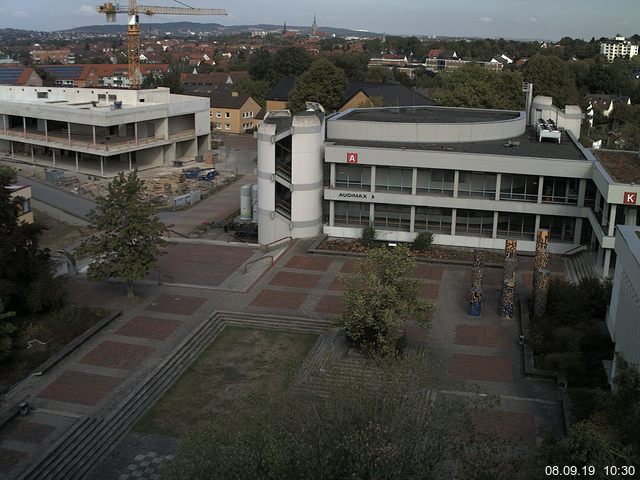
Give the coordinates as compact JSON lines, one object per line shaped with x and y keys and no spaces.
{"x":385,"y":428}
{"x":378,"y":75}
{"x":551,"y":77}
{"x":261,"y":66}
{"x":7,"y":329}
{"x":353,"y":64}
{"x":290,"y":61}
{"x":128,"y":236}
{"x":476,"y":87}
{"x":257,"y":89}
{"x":323,"y":82}
{"x":380,"y":298}
{"x":26,"y":282}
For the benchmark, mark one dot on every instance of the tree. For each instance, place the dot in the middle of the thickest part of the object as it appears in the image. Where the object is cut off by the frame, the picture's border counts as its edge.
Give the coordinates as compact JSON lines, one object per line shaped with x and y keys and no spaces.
{"x":290,"y":61}
{"x":128,"y":237}
{"x":387,"y":427}
{"x":551,"y":77}
{"x":26,"y":282}
{"x":7,"y":328}
{"x":476,"y":87}
{"x":380,"y":298}
{"x":261,"y":66}
{"x":256,"y":89}
{"x":323,"y":82}
{"x":378,"y":75}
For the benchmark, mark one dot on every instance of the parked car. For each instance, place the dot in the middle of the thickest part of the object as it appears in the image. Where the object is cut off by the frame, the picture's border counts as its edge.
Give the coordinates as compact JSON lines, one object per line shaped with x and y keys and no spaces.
{"x":208,"y":174}
{"x":191,"y":173}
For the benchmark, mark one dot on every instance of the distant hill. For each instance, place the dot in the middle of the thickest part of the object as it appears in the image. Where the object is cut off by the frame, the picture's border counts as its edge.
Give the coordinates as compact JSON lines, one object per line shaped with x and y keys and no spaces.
{"x":215,"y":28}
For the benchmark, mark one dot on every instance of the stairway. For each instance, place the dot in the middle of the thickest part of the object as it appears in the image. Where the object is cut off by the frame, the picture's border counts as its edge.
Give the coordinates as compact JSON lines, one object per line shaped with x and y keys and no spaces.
{"x":581,"y":265}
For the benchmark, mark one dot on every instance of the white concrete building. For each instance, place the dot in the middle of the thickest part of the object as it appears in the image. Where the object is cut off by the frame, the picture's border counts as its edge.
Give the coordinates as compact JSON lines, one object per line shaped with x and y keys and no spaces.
{"x":290,"y":155}
{"x":618,"y":47}
{"x":623,"y":319}
{"x":101,"y":131}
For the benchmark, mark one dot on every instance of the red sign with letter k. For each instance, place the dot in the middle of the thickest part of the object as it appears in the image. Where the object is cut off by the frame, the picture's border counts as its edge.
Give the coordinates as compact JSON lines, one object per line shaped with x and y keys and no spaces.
{"x":630,"y":198}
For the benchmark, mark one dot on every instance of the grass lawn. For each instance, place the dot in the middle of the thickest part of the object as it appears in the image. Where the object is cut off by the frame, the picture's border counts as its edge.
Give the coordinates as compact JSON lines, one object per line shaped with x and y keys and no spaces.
{"x":238,"y":362}
{"x":58,"y":234}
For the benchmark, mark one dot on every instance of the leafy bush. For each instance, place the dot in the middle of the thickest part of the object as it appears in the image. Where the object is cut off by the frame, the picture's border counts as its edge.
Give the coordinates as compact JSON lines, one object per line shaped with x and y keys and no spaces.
{"x":369,"y":234}
{"x":423,"y":242}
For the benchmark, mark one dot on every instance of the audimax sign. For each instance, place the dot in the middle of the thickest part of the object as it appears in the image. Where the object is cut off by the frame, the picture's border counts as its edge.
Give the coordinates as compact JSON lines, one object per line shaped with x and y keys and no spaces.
{"x":363,"y":196}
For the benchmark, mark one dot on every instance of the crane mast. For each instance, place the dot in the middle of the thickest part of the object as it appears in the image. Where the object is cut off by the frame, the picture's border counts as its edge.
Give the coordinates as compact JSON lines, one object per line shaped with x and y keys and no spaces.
{"x":133,"y":10}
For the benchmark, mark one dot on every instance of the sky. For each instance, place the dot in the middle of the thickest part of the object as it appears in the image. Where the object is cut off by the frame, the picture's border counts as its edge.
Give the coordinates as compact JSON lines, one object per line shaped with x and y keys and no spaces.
{"x":531,"y":19}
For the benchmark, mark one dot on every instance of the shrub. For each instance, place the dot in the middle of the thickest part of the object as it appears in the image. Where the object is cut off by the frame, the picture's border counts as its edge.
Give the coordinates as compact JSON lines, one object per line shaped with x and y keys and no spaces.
{"x":369,"y":234}
{"x":423,"y":242}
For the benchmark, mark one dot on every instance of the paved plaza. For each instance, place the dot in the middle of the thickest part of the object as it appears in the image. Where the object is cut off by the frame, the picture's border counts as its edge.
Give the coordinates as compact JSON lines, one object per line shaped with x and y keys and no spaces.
{"x":472,"y":351}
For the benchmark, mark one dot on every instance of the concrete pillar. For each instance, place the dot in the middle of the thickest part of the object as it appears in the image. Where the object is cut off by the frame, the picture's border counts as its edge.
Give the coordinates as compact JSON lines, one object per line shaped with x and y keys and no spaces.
{"x":612,"y":219}
{"x":77,"y":168}
{"x":33,"y":159}
{"x":412,"y":221}
{"x":494,"y":233}
{"x":53,"y":152}
{"x":453,"y":221}
{"x":582,"y":188}
{"x":414,"y":184}
{"x":456,"y":183}
{"x":371,"y":213}
{"x":607,"y":262}
{"x":498,"y":182}
{"x":101,"y":166}
{"x":11,"y":145}
{"x":605,"y":214}
{"x":332,"y":178}
{"x":537,"y":224}
{"x":373,"y":179}
{"x":540,"y":187}
{"x":4,"y":123}
{"x":130,"y":161}
{"x":577,"y":232}
{"x":46,"y":131}
{"x":135,"y":130}
{"x":630,"y":215}
{"x":93,"y":130}
{"x":69,"y":132}
{"x":596,"y":206}
{"x":332,"y":211}
{"x":24,"y":126}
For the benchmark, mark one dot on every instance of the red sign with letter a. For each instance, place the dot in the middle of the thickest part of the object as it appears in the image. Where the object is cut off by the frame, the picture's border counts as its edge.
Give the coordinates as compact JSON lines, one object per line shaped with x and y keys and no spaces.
{"x":630,"y":198}
{"x":352,"y":158}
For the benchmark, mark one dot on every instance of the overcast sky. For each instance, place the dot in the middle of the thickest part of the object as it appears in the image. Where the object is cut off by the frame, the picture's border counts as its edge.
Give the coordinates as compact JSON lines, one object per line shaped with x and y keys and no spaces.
{"x":543,"y":19}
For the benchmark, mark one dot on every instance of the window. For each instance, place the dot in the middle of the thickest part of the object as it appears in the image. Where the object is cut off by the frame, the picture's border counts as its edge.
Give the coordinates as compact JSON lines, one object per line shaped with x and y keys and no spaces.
{"x":102,"y":97}
{"x":516,"y":226}
{"x":43,"y":94}
{"x":227,"y":115}
{"x":112,"y":98}
{"x":476,"y":223}
{"x":392,"y":217}
{"x":394,"y":179}
{"x":431,"y":219}
{"x":251,"y":114}
{"x":353,"y":176}
{"x":560,"y":228}
{"x":521,"y":188}
{"x":227,"y":126}
{"x":477,"y":184}
{"x":435,"y":182}
{"x":351,"y":213}
{"x":560,"y":190}
{"x":218,"y":115}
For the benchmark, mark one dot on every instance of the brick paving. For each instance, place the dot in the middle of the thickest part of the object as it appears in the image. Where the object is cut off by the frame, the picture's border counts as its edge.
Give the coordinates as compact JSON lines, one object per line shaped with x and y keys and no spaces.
{"x":295,"y":280}
{"x":507,"y":425}
{"x":430,"y":291}
{"x":279,"y":299}
{"x":428,"y":271}
{"x":330,"y":304}
{"x":177,"y":304}
{"x":488,"y":368}
{"x":30,"y":432}
{"x":349,"y":266}
{"x":117,"y":355}
{"x":490,"y":276}
{"x":336,"y":285}
{"x":80,"y":387}
{"x":201,"y":264}
{"x":483,"y":336}
{"x":9,"y":458}
{"x":149,"y":327}
{"x":306,"y":262}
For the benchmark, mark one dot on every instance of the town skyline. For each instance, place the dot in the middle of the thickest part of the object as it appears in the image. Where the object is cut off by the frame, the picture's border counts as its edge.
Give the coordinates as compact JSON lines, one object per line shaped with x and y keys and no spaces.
{"x":463,"y":18}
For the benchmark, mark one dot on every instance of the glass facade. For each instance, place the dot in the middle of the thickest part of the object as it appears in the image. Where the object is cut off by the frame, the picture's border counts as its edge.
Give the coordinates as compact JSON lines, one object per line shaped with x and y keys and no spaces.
{"x":561,"y":229}
{"x":394,"y":179}
{"x":521,"y":188}
{"x":435,"y":182}
{"x":351,"y":213}
{"x":475,"y":223}
{"x":516,"y":226}
{"x":477,"y":184}
{"x":560,"y":190}
{"x":392,"y":217}
{"x":355,"y":177}
{"x":432,"y":219}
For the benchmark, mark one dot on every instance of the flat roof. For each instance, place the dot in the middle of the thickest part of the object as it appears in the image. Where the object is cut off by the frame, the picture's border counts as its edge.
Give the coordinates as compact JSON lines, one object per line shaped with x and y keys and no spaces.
{"x":622,"y":166}
{"x":528,"y":147}
{"x":428,"y":114}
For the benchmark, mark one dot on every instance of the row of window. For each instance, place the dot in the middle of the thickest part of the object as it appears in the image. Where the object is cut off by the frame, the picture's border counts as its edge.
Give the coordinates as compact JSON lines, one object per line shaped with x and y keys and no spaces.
{"x":522,"y":188}
{"x":218,"y":126}
{"x":228,"y":114}
{"x":475,"y":223}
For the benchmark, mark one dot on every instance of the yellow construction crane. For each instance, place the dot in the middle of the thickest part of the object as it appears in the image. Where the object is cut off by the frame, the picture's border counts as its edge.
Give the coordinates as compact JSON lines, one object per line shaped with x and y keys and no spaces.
{"x":133,"y":30}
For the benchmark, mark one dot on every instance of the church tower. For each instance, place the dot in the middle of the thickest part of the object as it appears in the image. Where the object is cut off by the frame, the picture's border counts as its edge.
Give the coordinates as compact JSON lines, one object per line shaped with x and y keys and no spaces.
{"x":314,"y":26}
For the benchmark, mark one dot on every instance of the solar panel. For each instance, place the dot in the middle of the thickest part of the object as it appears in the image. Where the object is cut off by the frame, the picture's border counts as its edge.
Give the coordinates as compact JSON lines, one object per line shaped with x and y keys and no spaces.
{"x":63,"y":72}
{"x":8,"y":76}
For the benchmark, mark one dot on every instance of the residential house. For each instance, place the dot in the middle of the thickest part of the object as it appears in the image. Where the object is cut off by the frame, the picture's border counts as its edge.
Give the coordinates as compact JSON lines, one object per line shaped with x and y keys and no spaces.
{"x":70,"y":75}
{"x":23,"y":193}
{"x":19,"y":76}
{"x":278,"y":97}
{"x":63,"y":55}
{"x":232,"y":112}
{"x":362,"y":94}
{"x":606,"y":103}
